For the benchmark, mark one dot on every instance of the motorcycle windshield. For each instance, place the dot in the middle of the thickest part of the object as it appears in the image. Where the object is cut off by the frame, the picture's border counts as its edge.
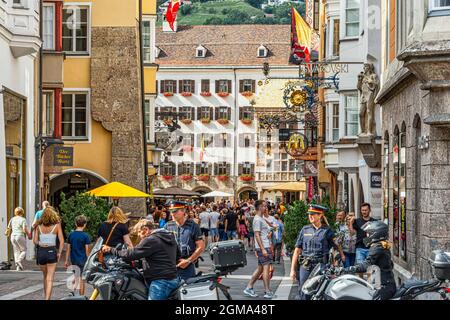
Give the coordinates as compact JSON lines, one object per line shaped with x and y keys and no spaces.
{"x":315,"y":271}
{"x":91,"y":260}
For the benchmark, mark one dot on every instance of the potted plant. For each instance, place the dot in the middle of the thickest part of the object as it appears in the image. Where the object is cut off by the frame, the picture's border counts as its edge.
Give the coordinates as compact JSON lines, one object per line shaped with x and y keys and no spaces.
{"x":168,"y":94}
{"x":205,"y":94}
{"x":223,"y":121}
{"x":186,"y":94}
{"x":203,"y":177}
{"x":167,"y":177}
{"x":222,"y":177}
{"x":187,"y":148}
{"x":205,"y":120}
{"x":246,"y":177}
{"x":247,"y":93}
{"x":223,"y":94}
{"x":186,"y":121}
{"x":186,"y":177}
{"x":168,"y":122}
{"x":247,"y":121}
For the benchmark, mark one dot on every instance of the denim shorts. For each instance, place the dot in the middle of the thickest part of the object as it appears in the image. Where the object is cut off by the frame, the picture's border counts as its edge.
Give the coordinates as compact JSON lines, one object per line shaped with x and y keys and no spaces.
{"x":231,"y":234}
{"x":264,"y":260}
{"x":213,"y":232}
{"x":47,"y":255}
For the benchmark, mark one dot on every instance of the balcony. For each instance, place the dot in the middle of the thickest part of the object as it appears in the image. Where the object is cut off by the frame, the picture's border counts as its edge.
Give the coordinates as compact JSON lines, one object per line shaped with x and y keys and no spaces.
{"x":20,"y":26}
{"x":52,"y":69}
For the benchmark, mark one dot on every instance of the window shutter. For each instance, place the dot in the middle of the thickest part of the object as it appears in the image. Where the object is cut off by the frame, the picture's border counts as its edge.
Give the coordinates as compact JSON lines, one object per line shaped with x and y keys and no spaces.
{"x":241,"y":140}
{"x":217,"y":86}
{"x":240,"y":169}
{"x":156,"y":85}
{"x":162,"y":85}
{"x":199,"y":113}
{"x":228,"y":169}
{"x":173,"y":169}
{"x":180,"y":169}
{"x":193,"y":86}
{"x":229,"y":113}
{"x":180,"y":86}
{"x":192,"y":113}
{"x":211,"y":113}
{"x":241,"y":113}
{"x":174,"y":86}
{"x":192,"y":140}
{"x":252,"y":140}
{"x":210,"y":168}
{"x":230,"y":91}
{"x":217,"y":113}
{"x":217,"y":140}
{"x":216,"y":169}
{"x":252,"y":168}
{"x":241,"y":85}
{"x":228,"y":140}
{"x":253,"y":86}
{"x":197,"y":168}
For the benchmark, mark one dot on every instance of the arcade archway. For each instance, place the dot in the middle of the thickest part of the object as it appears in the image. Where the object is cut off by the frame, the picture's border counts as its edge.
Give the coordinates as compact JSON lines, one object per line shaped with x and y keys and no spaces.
{"x":203,"y":190}
{"x":246,"y":193}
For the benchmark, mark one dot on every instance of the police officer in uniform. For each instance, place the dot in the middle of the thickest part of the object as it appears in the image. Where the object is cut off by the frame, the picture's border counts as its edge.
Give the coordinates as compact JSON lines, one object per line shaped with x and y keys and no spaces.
{"x":313,"y":245}
{"x":188,"y":236}
{"x":380,"y":256}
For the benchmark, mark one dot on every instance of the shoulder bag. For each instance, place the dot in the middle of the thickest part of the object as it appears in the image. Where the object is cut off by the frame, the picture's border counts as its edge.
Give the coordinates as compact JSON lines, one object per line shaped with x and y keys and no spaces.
{"x":100,"y":253}
{"x":8,"y":230}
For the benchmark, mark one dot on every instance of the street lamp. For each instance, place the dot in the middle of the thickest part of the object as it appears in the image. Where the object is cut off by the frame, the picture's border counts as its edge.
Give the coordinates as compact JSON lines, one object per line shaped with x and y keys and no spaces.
{"x":156,"y":160}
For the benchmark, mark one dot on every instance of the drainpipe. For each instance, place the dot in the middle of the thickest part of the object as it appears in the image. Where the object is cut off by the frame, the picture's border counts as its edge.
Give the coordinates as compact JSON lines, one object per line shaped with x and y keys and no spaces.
{"x":144,"y":136}
{"x":236,"y":140}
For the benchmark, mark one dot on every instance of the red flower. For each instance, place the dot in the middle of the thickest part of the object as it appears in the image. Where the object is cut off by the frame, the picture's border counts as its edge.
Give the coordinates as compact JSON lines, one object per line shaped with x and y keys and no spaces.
{"x":186,"y":94}
{"x":168,"y":94}
{"x":223,"y":121}
{"x":205,"y":94}
{"x":203,"y":177}
{"x":223,"y":94}
{"x":246,"y":177}
{"x":186,"y":177}
{"x":247,"y":93}
{"x":222,"y":177}
{"x":167,"y":178}
{"x":186,"y":121}
{"x":247,"y":121}
{"x":205,"y":120}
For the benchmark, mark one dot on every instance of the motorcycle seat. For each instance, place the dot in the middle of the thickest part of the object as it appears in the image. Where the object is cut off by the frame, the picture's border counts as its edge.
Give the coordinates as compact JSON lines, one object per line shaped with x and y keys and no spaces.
{"x":410,"y":286}
{"x":202,"y":278}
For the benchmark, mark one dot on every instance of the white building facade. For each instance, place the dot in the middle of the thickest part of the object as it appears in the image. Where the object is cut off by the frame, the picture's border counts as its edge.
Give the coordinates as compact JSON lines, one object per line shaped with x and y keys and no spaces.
{"x":353,"y":34}
{"x":19,"y":47}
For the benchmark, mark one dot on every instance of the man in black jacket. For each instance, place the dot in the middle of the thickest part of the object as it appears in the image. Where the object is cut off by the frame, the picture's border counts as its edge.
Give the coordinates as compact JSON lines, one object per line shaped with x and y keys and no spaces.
{"x":159,"y":252}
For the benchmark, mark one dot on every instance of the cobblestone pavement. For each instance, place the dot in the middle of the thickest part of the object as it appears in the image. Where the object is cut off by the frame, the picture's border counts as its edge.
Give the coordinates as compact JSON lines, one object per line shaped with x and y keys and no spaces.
{"x":27,"y":285}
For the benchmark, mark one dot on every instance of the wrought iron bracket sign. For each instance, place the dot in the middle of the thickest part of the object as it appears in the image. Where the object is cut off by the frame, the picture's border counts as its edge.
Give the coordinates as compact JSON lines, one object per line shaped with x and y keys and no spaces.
{"x":297,"y":144}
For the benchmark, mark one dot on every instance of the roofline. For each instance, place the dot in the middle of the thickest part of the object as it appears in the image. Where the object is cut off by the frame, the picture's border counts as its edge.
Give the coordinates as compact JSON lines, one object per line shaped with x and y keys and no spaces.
{"x":221,"y":67}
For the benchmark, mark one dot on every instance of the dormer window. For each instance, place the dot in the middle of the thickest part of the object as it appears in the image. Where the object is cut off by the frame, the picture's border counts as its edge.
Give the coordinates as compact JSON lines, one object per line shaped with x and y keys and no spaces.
{"x":262,"y":51}
{"x":200,"y":52}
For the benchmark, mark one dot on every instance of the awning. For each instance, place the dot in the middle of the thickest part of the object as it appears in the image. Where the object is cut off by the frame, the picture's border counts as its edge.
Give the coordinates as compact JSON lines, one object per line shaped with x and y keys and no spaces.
{"x":117,"y":190}
{"x":176,"y":192}
{"x":289,"y":186}
{"x":217,"y":194}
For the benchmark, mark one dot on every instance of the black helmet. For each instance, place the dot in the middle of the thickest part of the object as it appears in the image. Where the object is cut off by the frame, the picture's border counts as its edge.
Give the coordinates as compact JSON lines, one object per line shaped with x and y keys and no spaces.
{"x":376,"y":232}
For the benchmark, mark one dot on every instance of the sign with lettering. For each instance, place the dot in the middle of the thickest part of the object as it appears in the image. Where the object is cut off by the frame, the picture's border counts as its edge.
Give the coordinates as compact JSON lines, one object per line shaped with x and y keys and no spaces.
{"x":375,"y":179}
{"x":63,"y":156}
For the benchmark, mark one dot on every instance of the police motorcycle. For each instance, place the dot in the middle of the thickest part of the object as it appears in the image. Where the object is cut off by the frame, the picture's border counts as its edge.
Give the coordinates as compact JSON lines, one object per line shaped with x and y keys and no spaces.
{"x":119,"y":280}
{"x":328,"y":284}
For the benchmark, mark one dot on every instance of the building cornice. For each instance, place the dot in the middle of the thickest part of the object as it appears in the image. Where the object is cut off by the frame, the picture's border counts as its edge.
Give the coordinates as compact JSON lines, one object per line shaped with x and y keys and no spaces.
{"x":231,"y":67}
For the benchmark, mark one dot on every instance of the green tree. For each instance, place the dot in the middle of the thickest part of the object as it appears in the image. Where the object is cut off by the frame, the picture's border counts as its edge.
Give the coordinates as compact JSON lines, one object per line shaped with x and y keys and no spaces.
{"x":225,"y":11}
{"x":254,"y":3}
{"x":95,"y":209}
{"x":185,"y":9}
{"x":237,"y":17}
{"x":214,"y":21}
{"x":212,"y":11}
{"x":268,"y":9}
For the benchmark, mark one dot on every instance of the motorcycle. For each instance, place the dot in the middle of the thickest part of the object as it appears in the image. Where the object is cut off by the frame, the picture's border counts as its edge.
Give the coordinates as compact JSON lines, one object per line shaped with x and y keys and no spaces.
{"x":119,"y":280}
{"x":328,"y":283}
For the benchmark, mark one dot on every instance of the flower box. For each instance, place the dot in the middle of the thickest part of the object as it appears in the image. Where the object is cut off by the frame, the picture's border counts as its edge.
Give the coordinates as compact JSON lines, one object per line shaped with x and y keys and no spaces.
{"x":167,"y":178}
{"x":246,"y":177}
{"x":223,"y":94}
{"x":186,"y":94}
{"x":168,"y":94}
{"x":186,"y":121}
{"x":186,"y":177}
{"x":205,"y":120}
{"x":205,"y":94}
{"x":223,"y":121}
{"x":187,"y":148}
{"x":222,"y":177}
{"x":247,"y":121}
{"x":168,"y":122}
{"x":247,"y":93}
{"x":203,"y":177}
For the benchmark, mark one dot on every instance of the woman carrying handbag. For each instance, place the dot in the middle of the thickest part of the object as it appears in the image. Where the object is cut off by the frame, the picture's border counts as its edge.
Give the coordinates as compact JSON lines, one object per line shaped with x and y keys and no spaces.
{"x":17,"y":231}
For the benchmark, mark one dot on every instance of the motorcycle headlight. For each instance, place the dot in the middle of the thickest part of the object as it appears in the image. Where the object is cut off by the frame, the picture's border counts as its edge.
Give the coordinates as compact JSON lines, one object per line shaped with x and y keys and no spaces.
{"x":311,"y":285}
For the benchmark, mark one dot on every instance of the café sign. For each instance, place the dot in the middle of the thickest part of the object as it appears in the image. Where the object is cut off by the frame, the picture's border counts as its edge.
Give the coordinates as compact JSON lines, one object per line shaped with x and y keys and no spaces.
{"x":63,"y":156}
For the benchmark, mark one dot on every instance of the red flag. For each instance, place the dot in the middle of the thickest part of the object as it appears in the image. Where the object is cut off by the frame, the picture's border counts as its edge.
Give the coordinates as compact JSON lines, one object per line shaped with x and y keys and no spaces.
{"x":171,"y":13}
{"x":300,"y":38}
{"x":310,"y":188}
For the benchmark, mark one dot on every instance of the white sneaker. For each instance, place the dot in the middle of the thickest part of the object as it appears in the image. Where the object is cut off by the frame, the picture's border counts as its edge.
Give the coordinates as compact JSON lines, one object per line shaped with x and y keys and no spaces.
{"x":268,"y":295}
{"x":20,"y":266}
{"x":250,"y":292}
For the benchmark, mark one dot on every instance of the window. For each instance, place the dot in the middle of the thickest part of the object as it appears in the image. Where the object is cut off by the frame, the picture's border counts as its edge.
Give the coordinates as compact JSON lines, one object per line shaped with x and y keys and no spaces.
{"x":352,"y":18}
{"x":223,"y":86}
{"x":166,"y":113}
{"x":162,"y":139}
{"x":222,"y":168}
{"x":188,"y":139}
{"x":246,"y":113}
{"x":205,"y":85}
{"x":200,"y":52}
{"x":336,"y":28}
{"x":146,"y":41}
{"x":75,"y":30}
{"x":222,"y":140}
{"x":247,"y":168}
{"x":439,"y":5}
{"x":186,"y":113}
{"x":168,"y":86}
{"x":185,"y":168}
{"x":262,"y":52}
{"x":187,"y":86}
{"x":351,"y":115}
{"x":74,"y":115}
{"x":204,"y":113}
{"x":147,"y":120}
{"x":335,"y":123}
{"x":48,"y":26}
{"x":48,"y":113}
{"x":247,"y":85}
{"x":316,"y":14}
{"x":246,"y":140}
{"x":223,"y":113}
{"x":203,"y":168}
{"x":207,"y":139}
{"x":167,"y":169}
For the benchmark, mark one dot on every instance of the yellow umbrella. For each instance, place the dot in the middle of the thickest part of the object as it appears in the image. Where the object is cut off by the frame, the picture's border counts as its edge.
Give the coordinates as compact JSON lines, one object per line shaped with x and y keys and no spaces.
{"x":289,"y":186}
{"x":117,"y":190}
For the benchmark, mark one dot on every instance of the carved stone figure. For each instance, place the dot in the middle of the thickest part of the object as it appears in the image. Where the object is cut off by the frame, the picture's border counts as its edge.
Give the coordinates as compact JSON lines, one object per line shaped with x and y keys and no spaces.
{"x":368,"y":86}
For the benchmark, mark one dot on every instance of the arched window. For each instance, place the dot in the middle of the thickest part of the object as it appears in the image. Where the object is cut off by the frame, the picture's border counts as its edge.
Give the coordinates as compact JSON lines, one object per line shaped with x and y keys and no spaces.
{"x":386,"y":178}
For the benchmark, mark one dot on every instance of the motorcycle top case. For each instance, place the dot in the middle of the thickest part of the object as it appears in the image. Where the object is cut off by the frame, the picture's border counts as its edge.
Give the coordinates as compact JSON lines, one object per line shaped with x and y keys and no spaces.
{"x":228,"y":256}
{"x":198,"y":291}
{"x":441,"y":264}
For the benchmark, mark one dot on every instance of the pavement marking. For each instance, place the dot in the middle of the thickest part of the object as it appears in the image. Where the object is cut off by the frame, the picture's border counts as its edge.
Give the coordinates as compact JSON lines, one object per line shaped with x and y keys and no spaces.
{"x":284,"y":289}
{"x":20,"y":293}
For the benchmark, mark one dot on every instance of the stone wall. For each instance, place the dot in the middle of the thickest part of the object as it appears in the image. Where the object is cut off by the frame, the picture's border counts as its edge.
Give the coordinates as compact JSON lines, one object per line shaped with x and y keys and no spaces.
{"x":427,"y":175}
{"x":116,"y":103}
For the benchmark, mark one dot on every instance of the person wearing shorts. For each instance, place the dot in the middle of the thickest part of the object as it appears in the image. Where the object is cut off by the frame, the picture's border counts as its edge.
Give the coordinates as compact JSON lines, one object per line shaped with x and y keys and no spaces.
{"x":204,"y":223}
{"x":214,"y":217}
{"x":262,"y":247}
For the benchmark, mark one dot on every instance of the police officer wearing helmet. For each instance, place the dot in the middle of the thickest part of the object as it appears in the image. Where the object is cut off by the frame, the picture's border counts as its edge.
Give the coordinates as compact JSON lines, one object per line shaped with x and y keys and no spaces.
{"x":188,"y":236}
{"x":380,"y":256}
{"x":313,"y":245}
